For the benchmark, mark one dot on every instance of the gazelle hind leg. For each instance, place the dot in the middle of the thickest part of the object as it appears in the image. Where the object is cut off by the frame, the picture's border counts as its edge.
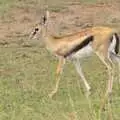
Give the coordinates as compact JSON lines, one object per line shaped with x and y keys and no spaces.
{"x":110,"y":80}
{"x":109,"y":64}
{"x":119,"y":72}
{"x":110,"y":83}
{"x":58,"y":75}
{"x":116,"y":59}
{"x":118,"y":63}
{"x":80,"y":72}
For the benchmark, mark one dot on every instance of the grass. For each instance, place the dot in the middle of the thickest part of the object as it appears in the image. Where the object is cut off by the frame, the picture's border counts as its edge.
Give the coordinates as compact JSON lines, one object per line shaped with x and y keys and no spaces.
{"x":27,"y":76}
{"x":5,"y":5}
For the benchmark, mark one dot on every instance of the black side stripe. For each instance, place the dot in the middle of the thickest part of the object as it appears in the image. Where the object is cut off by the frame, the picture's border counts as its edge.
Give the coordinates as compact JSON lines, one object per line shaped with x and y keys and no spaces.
{"x":80,"y":46}
{"x":117,"y":43}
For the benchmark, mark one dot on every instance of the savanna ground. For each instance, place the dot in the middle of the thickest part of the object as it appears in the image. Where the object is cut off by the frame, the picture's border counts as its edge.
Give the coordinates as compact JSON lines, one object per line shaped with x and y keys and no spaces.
{"x":27,"y":70}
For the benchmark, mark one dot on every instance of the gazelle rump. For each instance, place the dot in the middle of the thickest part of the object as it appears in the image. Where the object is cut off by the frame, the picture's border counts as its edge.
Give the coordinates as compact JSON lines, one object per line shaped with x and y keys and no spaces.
{"x":103,"y":41}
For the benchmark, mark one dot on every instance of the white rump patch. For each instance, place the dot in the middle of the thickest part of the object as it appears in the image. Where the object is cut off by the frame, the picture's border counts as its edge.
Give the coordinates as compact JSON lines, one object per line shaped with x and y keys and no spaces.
{"x":112,"y":45}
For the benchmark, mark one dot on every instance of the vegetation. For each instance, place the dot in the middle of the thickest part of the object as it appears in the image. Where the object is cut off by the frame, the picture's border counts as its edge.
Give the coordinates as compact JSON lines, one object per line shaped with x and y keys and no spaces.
{"x":27,"y":76}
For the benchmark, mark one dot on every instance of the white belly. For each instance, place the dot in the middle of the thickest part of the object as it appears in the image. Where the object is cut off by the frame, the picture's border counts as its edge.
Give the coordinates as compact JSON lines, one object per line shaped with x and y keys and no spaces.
{"x":82,"y":53}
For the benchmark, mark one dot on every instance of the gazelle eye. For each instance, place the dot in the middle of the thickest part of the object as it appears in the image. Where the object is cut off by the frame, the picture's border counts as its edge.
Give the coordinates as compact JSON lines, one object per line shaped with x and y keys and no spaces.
{"x":36,"y":29}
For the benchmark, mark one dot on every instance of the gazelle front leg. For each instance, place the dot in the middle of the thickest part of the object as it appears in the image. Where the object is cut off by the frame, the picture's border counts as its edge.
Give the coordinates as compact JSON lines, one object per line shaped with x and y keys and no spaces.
{"x":76,"y":62}
{"x":58,"y":75}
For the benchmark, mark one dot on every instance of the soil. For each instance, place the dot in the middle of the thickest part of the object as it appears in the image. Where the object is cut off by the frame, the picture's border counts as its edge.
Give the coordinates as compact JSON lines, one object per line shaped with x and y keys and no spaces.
{"x":19,"y":22}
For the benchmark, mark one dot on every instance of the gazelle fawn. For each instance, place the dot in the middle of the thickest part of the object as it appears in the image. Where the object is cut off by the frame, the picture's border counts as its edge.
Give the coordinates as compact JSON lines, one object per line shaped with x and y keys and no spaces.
{"x":102,"y":41}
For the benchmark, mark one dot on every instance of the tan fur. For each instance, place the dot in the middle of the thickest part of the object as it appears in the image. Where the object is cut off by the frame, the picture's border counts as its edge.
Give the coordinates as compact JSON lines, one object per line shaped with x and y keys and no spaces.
{"x":61,"y":45}
{"x":102,"y":37}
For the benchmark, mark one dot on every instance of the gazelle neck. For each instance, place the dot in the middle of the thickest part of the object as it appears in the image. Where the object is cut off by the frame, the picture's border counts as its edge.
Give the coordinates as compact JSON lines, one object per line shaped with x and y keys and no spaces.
{"x":47,"y":38}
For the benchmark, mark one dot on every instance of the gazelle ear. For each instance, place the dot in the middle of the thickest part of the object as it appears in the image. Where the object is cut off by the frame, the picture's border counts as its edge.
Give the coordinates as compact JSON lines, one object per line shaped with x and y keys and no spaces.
{"x":45,"y":17}
{"x":47,"y":14}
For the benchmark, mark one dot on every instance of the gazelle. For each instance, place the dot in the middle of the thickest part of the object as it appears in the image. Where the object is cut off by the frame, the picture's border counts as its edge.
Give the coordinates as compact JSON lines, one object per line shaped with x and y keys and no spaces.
{"x":103,"y":41}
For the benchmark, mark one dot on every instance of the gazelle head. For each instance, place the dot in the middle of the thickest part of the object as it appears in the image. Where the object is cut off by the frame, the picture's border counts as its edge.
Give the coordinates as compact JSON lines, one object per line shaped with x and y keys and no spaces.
{"x":40,"y":29}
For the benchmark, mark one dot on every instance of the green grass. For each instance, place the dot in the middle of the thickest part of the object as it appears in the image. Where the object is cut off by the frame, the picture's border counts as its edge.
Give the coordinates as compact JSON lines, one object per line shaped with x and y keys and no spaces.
{"x":5,"y":5}
{"x":27,"y":75}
